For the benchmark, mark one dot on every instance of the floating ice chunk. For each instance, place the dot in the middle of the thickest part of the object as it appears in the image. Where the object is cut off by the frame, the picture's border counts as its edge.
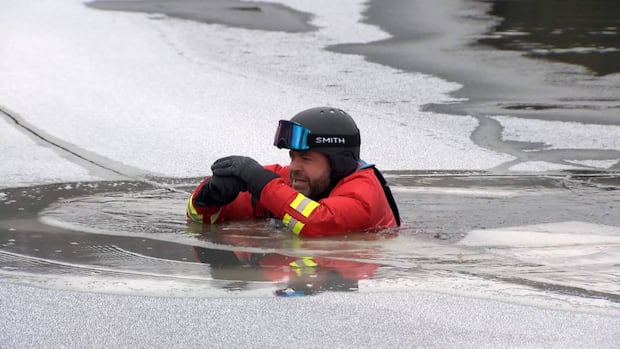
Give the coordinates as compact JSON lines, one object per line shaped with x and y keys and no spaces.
{"x":604,"y":164}
{"x":552,"y":234}
{"x":541,"y":166}
{"x":560,"y":134}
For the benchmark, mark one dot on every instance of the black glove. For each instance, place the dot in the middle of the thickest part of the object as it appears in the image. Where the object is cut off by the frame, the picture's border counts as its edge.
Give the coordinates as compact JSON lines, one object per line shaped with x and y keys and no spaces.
{"x":247,"y":169}
{"x":220,"y":191}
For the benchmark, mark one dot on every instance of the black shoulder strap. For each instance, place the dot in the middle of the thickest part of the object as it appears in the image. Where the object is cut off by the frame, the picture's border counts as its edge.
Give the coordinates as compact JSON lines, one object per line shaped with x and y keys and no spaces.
{"x":388,"y":195}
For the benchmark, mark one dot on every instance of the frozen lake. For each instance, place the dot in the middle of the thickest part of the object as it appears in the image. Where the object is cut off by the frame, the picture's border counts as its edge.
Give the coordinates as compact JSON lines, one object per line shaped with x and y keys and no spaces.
{"x":504,"y":165}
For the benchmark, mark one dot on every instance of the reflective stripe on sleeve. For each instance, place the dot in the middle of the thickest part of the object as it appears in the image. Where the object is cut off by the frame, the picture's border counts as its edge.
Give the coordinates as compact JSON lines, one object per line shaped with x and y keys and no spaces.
{"x":304,"y":205}
{"x":293,"y":224}
{"x":215,"y":216}
{"x":191,"y":211}
{"x":196,"y":217}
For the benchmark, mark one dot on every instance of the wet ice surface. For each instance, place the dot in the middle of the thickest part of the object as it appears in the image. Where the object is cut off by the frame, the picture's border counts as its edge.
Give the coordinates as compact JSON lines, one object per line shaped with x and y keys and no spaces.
{"x":464,"y":234}
{"x":369,"y":320}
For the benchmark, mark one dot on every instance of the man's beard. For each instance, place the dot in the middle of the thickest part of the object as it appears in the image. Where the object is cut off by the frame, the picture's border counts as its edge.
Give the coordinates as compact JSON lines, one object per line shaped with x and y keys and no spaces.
{"x":314,"y":189}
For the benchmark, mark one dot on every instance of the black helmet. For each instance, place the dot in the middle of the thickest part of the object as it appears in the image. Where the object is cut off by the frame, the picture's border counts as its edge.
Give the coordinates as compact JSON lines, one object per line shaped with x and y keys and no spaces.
{"x":331,"y":132}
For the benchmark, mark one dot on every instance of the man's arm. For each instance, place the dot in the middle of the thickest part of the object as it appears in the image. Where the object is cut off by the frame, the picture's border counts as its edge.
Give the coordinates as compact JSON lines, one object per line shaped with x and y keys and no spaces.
{"x":218,"y":198}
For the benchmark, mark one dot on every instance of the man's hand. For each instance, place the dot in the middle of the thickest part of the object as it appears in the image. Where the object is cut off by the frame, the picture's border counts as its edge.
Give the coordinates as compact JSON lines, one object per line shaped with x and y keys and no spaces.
{"x":220,"y":191}
{"x":247,"y":169}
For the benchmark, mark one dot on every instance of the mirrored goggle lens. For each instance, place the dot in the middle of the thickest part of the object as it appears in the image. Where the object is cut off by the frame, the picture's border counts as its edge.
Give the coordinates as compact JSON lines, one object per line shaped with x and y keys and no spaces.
{"x":291,"y":135}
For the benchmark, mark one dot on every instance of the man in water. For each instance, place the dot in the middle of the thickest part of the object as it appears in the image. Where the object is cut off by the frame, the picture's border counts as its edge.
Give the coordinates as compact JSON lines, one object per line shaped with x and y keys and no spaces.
{"x":325,"y":190}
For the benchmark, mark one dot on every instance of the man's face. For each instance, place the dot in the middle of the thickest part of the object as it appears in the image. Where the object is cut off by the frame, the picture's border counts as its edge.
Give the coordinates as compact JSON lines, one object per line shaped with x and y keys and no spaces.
{"x":309,"y":172}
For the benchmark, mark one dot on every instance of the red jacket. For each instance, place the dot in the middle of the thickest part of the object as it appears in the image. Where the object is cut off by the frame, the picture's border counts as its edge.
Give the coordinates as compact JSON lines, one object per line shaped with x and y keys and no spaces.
{"x":357,"y":203}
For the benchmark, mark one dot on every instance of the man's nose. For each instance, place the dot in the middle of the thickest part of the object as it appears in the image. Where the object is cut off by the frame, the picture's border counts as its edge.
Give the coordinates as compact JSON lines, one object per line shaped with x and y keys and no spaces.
{"x":295,"y":165}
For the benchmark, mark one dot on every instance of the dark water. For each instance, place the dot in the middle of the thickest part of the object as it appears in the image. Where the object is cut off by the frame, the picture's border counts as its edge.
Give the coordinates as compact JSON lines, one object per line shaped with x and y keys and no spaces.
{"x":506,"y":55}
{"x":583,"y":32}
{"x":252,"y":15}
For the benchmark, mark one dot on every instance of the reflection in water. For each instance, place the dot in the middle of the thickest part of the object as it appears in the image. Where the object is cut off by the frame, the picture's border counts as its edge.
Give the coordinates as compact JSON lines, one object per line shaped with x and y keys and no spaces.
{"x":584,"y":32}
{"x":256,"y":250}
{"x":303,"y":275}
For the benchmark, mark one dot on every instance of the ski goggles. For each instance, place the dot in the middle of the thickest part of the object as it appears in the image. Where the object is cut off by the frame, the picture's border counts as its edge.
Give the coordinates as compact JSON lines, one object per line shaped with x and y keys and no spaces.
{"x":293,"y":136}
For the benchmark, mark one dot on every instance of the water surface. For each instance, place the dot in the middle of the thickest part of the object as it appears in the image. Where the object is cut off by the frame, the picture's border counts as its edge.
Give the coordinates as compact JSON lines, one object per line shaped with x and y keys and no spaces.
{"x":460,"y":228}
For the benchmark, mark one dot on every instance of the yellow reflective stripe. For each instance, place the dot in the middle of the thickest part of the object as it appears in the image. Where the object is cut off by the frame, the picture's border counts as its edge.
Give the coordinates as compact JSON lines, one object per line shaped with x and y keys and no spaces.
{"x":297,"y":227}
{"x":191,"y":211}
{"x":286,"y":219}
{"x":293,"y":224}
{"x":215,"y":216}
{"x":304,"y":262}
{"x":298,"y":199}
{"x":197,"y":217}
{"x":311,"y":205}
{"x":304,"y":205}
{"x":304,"y":266}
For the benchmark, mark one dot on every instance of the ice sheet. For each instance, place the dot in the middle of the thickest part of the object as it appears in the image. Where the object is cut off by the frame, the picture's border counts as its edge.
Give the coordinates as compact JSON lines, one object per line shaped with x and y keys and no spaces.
{"x":552,"y":234}
{"x":23,"y":162}
{"x":564,"y":135}
{"x":171,"y":96}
